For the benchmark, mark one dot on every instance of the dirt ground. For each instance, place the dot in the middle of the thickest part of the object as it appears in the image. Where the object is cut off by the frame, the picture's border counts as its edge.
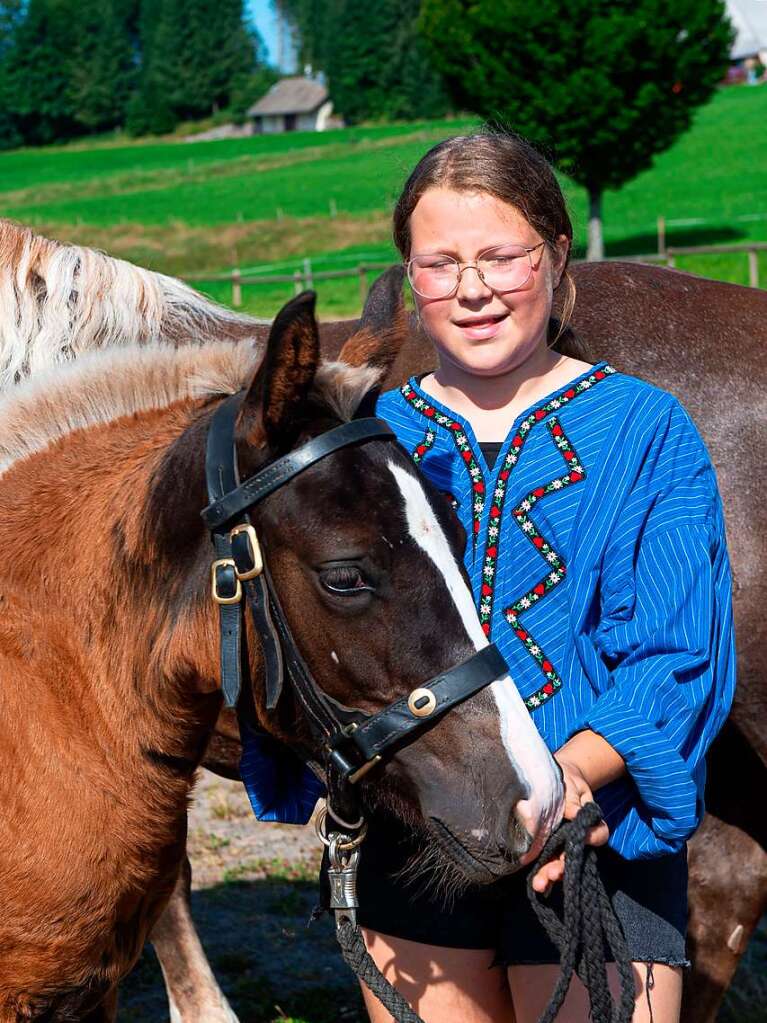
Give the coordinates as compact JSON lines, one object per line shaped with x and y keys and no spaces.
{"x":254,"y":889}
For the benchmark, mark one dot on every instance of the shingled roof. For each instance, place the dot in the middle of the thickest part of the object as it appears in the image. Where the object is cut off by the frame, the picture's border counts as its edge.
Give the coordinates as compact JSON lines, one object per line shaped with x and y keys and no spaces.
{"x":291,"y":96}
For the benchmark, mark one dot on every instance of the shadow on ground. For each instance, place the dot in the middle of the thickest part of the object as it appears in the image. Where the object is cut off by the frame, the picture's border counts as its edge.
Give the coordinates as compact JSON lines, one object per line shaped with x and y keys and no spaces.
{"x":272,"y":964}
{"x":277,"y":967}
{"x":645,"y":243}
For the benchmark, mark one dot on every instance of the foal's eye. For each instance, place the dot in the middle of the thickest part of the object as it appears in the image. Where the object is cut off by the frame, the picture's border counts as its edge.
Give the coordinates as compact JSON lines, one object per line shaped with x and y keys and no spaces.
{"x":345,"y":579}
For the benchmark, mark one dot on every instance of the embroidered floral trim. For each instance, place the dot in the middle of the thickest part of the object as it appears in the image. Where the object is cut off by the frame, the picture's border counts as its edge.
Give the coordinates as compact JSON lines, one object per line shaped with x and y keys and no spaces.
{"x":511,"y":459}
{"x":556,"y":566}
{"x":461,"y":441}
{"x":420,"y":449}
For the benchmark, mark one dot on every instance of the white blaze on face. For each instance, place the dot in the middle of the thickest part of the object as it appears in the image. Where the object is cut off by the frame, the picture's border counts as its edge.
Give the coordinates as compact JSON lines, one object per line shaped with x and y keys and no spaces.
{"x":526,"y":750}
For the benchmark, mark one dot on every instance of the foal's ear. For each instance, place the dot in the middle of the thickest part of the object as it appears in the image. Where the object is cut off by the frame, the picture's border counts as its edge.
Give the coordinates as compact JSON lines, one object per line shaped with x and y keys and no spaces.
{"x":282,"y":383}
{"x":383,"y":326}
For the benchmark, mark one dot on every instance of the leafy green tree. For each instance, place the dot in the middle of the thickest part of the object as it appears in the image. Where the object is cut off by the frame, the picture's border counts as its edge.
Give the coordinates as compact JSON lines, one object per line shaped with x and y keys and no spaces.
{"x":375,"y":60}
{"x":603,"y":85}
{"x":198,"y":57}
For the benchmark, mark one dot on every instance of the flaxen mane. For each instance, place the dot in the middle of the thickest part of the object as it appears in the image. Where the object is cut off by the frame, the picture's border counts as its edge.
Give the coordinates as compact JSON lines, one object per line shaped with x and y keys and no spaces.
{"x":102,"y":386}
{"x":58,"y":301}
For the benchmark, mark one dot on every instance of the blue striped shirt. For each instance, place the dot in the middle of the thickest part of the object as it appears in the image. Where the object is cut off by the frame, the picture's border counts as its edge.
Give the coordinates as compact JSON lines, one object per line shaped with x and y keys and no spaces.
{"x":597,"y":557}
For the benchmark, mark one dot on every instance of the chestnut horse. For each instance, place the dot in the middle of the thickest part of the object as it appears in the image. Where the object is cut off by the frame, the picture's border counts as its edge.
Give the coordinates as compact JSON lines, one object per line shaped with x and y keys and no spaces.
{"x":109,"y":644}
{"x":701,"y":339}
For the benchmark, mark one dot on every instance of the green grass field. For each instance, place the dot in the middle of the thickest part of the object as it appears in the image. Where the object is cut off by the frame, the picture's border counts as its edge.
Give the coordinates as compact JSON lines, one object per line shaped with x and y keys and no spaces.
{"x":267,"y":203}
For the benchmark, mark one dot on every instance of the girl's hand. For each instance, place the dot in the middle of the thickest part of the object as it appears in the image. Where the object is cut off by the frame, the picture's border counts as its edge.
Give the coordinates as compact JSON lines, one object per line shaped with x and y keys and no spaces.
{"x":577,"y":793}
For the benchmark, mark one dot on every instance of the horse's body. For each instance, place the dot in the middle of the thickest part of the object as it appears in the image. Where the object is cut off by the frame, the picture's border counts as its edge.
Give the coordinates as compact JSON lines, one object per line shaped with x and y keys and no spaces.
{"x":700,"y":339}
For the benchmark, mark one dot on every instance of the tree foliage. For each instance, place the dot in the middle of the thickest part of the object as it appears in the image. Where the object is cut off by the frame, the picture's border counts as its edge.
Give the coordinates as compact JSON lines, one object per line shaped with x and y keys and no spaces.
{"x":603,"y":85}
{"x":72,"y":67}
{"x":372,"y":54}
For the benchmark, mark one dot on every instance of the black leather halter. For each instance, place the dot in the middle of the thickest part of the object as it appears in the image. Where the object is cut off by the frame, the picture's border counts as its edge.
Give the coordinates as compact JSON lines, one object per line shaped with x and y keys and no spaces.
{"x":350,"y":742}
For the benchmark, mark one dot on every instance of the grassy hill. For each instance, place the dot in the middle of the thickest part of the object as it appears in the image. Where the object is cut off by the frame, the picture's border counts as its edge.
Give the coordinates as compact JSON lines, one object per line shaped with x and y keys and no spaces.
{"x":268,"y":202}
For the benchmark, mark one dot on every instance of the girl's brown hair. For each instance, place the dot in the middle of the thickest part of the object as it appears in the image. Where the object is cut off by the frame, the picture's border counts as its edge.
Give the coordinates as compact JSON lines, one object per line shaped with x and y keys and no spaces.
{"x":508,"y":167}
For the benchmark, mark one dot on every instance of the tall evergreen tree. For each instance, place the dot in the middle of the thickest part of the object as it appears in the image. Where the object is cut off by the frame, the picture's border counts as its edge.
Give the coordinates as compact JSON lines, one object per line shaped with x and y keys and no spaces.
{"x":36,"y":73}
{"x":375,"y":60}
{"x":197,"y":58}
{"x":103,"y":64}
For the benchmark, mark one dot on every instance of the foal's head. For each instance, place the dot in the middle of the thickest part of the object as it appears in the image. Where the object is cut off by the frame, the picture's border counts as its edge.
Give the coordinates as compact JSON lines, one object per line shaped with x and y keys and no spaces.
{"x":366,"y":559}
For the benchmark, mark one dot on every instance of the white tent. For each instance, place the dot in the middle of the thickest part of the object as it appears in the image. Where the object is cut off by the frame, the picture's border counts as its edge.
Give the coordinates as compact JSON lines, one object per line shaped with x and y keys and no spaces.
{"x":749,"y":19}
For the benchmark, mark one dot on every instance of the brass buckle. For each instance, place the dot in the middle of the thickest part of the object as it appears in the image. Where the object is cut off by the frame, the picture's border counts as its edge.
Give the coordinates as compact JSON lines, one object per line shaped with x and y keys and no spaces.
{"x":220,"y":563}
{"x":255,"y":551}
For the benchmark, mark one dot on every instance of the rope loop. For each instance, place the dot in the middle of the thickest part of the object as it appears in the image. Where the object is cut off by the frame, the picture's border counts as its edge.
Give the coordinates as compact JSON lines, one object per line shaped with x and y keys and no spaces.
{"x":589,"y":926}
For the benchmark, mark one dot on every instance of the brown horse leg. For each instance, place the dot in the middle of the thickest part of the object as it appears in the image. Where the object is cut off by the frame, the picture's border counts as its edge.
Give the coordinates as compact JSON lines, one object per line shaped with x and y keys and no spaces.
{"x":193,"y":993}
{"x":728,"y":894}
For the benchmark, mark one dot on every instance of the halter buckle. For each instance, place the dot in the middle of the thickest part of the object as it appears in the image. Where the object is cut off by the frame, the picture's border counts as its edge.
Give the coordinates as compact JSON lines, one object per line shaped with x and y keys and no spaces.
{"x":253,"y":552}
{"x":223,"y":578}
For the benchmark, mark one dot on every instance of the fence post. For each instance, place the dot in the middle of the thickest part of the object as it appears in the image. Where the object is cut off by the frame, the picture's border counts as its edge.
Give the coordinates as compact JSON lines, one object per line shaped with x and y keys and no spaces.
{"x":661,"y":236}
{"x":670,"y":259}
{"x":363,"y":282}
{"x":753,"y":268}
{"x":298,"y":278}
{"x":236,"y":288}
{"x":308,"y":279}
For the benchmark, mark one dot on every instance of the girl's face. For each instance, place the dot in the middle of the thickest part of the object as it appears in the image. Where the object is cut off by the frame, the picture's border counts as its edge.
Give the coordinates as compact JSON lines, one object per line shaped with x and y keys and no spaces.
{"x":480,"y":331}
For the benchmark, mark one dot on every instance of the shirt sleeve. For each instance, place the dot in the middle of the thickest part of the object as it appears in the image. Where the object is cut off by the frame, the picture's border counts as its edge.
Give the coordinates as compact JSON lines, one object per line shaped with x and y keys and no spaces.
{"x":665,"y":634}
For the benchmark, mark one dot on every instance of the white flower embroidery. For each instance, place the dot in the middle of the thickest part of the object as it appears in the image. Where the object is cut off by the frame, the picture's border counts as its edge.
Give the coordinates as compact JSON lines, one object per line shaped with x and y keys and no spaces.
{"x":527,"y":526}
{"x":460,"y":438}
{"x":488,"y":570}
{"x":526,"y":506}
{"x":535,"y":649}
{"x":551,"y":556}
{"x":498,"y":493}
{"x":555,"y":403}
{"x":493,"y":531}
{"x":554,"y":577}
{"x":525,"y":602}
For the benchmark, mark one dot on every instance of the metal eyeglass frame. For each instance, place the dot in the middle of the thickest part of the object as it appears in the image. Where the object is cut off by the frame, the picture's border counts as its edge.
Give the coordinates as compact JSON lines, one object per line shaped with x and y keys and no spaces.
{"x":465,"y":266}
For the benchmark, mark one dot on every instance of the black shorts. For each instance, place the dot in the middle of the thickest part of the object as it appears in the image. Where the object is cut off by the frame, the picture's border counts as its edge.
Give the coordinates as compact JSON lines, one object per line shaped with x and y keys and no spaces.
{"x":649,"y":898}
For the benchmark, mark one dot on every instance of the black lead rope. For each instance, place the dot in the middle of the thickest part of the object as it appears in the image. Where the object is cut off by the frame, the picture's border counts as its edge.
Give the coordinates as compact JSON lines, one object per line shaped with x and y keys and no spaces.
{"x":588,"y":929}
{"x":589,"y":926}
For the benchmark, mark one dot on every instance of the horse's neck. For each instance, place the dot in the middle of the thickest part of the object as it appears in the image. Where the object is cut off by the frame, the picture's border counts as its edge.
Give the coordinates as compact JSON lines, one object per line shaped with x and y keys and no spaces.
{"x":91,"y":581}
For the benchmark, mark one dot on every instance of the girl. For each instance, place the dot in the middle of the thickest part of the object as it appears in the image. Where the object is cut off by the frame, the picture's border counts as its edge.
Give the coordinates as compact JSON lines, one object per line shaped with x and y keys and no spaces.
{"x":597,"y":557}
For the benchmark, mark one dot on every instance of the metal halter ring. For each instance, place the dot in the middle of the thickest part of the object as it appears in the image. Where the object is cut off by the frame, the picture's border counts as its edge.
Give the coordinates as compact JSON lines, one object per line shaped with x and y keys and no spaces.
{"x":352,"y":843}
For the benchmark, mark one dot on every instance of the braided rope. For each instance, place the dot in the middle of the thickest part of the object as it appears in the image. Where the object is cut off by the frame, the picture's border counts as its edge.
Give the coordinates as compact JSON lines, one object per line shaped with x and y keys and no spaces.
{"x":588,"y":927}
{"x":357,"y":956}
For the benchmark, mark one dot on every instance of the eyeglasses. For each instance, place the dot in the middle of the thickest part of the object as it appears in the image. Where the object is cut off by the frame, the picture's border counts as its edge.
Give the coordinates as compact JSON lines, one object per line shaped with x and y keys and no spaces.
{"x":502,"y":268}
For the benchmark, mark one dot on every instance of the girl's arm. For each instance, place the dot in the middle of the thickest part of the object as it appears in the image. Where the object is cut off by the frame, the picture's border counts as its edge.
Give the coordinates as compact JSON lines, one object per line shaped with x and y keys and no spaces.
{"x":588,"y":762}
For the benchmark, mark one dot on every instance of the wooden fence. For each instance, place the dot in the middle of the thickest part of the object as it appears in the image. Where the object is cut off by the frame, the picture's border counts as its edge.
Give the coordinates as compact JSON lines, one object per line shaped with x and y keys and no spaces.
{"x":305,"y":278}
{"x":300,"y":279}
